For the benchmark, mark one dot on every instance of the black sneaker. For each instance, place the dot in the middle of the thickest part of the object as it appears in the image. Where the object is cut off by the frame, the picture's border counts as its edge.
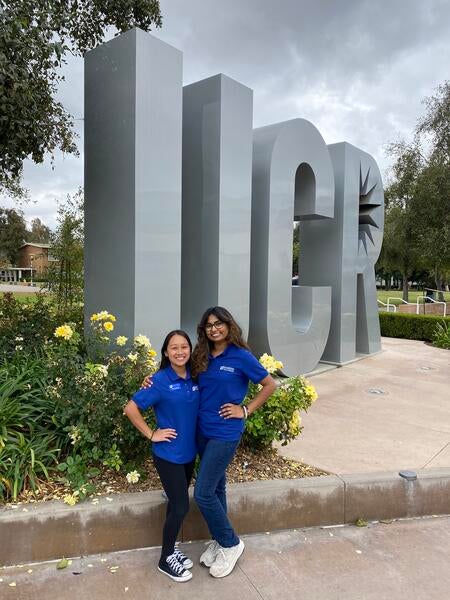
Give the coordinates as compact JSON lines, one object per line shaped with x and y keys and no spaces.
{"x":183,"y":559}
{"x":173,"y":569}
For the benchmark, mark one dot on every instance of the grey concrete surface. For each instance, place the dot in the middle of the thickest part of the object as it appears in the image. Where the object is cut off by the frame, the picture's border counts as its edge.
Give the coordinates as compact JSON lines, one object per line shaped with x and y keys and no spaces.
{"x":391,"y":561}
{"x":128,"y":521}
{"x":350,"y":430}
{"x":6,"y":287}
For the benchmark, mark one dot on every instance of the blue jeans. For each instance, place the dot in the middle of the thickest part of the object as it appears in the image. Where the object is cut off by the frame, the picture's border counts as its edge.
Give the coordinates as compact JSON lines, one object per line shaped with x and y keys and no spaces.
{"x":209,"y":492}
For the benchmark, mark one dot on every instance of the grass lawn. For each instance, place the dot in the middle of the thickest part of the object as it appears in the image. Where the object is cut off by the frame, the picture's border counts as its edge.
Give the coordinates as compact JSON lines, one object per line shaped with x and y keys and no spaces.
{"x":383,"y":295}
{"x":22,"y":296}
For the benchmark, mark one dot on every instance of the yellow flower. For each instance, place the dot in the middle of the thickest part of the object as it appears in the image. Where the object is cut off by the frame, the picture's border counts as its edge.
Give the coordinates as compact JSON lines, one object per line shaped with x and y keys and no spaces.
{"x":71,"y":499}
{"x":132,"y":357}
{"x":133,"y":477}
{"x":121,"y":340}
{"x":142,"y":340}
{"x":311,"y":392}
{"x":294,"y":425}
{"x":101,"y":370}
{"x":270,"y":363}
{"x":64,"y":331}
{"x":75,"y":435}
{"x":103,"y":315}
{"x":108,"y":326}
{"x":152,"y":352}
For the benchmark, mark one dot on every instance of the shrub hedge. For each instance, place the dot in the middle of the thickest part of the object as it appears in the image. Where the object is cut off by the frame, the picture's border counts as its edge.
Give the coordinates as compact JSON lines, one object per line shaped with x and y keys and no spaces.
{"x":411,"y":327}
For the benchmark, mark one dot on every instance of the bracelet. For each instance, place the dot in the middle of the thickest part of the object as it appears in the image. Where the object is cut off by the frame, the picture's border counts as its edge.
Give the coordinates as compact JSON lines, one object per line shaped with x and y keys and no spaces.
{"x":245,"y":409}
{"x":153,"y":433}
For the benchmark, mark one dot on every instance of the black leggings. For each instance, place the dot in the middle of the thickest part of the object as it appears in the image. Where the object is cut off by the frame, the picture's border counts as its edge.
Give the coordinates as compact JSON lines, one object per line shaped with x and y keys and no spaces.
{"x":175,"y":479}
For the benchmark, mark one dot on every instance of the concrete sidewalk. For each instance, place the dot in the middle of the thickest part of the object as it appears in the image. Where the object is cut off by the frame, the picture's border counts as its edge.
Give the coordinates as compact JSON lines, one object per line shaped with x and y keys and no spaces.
{"x":6,"y":287}
{"x":404,"y":559}
{"x":384,"y":413}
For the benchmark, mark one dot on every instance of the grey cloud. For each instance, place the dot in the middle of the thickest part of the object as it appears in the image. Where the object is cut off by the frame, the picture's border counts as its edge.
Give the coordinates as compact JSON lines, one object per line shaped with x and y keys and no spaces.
{"x":357,"y":69}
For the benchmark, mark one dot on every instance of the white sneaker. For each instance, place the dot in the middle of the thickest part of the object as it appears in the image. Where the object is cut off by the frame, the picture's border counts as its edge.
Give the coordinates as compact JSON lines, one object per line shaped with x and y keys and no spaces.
{"x":209,"y":555}
{"x":226,"y":559}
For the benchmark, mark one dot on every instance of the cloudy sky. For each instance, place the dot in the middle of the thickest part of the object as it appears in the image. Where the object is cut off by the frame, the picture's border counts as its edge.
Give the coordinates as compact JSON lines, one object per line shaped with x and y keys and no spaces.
{"x":357,"y":69}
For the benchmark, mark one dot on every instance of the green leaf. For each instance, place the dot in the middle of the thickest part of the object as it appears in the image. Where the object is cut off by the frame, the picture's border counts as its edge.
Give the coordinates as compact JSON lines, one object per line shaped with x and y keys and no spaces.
{"x":361,"y":523}
{"x":62,"y":564}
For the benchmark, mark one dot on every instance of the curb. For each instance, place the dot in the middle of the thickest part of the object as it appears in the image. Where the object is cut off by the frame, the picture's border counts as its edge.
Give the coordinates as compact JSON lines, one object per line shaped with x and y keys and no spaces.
{"x":38,"y":532}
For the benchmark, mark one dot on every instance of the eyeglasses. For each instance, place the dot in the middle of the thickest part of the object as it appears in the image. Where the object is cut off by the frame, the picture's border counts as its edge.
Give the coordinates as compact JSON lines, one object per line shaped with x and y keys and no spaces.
{"x":216,"y":325}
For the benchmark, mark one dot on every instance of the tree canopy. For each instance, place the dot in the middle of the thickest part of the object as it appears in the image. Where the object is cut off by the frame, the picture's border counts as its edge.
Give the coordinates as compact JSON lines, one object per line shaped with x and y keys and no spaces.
{"x":66,"y":272}
{"x":13,"y":233}
{"x":35,"y":38}
{"x":417,"y":227}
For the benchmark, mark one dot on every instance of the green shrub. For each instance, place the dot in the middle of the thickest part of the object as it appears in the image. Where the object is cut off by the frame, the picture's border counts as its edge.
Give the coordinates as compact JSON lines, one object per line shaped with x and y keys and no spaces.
{"x":30,"y":438}
{"x":278,"y":419}
{"x":28,"y":326}
{"x":90,"y":396}
{"x":411,"y":327}
{"x":62,"y":396}
{"x":77,"y":474}
{"x":441,"y":336}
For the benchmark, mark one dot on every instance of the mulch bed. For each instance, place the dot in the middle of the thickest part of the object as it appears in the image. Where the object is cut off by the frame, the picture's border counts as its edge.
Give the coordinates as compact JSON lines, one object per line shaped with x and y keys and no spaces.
{"x":246,"y":466}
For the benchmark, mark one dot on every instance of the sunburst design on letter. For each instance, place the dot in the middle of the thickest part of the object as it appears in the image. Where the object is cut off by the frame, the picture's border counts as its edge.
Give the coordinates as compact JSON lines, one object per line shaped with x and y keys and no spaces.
{"x":367,"y":209}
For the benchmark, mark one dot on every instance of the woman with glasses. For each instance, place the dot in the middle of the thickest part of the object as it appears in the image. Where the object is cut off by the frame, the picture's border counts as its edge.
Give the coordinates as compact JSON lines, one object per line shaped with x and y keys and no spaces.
{"x":224,"y":366}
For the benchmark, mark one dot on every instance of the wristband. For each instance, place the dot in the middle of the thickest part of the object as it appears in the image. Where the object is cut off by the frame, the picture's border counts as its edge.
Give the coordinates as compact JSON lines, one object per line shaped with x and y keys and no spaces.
{"x":153,"y":433}
{"x":245,"y":409}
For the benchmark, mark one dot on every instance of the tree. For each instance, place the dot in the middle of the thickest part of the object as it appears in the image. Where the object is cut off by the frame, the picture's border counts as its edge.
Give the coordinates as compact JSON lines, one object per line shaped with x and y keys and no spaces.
{"x":436,"y":124}
{"x":432,"y":212}
{"x":65,"y":275}
{"x":399,"y":250}
{"x":417,"y":228}
{"x":432,"y":203}
{"x":35,"y":37}
{"x":39,"y":232}
{"x":13,"y":232}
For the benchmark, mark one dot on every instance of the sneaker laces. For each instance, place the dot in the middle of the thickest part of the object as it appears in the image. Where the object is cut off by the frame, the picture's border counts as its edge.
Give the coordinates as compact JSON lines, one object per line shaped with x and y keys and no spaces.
{"x":179,"y":555}
{"x":221,"y":557}
{"x":213,"y":546}
{"x":174,"y":564}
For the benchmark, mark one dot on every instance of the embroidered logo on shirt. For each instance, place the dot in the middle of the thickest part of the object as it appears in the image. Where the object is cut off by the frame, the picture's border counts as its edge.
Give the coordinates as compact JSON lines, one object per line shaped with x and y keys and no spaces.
{"x":175,"y":386}
{"x":227,"y":369}
{"x":195,"y":388}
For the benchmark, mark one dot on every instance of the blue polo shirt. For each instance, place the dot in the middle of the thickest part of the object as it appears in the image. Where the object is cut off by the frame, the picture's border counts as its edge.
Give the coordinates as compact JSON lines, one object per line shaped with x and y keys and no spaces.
{"x":226,"y":380}
{"x":175,"y":401}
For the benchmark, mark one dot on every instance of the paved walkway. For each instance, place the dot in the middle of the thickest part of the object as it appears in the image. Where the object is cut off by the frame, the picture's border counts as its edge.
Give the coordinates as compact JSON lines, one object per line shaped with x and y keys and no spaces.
{"x":404,"y":559}
{"x":6,"y":287}
{"x":353,"y":429}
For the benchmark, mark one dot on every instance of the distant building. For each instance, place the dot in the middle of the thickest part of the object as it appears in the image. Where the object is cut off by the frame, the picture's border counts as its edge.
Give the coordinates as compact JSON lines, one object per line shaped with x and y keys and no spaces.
{"x":35,"y":256}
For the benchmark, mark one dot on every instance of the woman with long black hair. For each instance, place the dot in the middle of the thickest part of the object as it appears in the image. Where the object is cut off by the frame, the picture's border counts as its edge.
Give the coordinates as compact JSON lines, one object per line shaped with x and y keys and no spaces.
{"x":224,"y":366}
{"x":174,"y":397}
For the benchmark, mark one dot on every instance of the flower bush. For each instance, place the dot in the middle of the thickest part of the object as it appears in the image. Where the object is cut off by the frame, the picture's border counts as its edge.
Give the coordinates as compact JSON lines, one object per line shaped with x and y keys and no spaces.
{"x":62,"y":393}
{"x":30,"y":326}
{"x":278,"y":419}
{"x":91,"y":394}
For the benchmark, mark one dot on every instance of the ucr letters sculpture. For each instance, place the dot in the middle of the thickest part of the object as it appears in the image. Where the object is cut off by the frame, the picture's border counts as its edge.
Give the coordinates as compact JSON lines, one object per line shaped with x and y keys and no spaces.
{"x":188,"y":207}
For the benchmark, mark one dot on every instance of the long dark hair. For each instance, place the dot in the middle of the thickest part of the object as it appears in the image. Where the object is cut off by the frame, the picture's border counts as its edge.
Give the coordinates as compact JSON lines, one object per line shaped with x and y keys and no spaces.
{"x":165,"y":362}
{"x":204,"y":345}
